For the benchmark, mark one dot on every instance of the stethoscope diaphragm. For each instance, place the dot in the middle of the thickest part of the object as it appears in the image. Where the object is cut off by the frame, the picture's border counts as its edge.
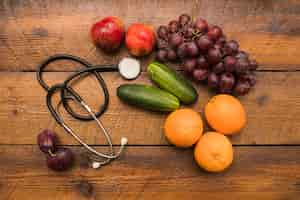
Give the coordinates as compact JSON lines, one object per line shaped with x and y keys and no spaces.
{"x":129,"y":68}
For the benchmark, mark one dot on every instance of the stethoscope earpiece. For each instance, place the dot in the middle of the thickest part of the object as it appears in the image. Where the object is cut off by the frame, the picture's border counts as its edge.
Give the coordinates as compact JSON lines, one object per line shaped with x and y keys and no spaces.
{"x":124,"y":141}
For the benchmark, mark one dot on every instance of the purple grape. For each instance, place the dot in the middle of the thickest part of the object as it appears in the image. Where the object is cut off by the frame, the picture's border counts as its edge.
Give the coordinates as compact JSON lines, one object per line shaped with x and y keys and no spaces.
{"x":47,"y":141}
{"x":241,"y":66}
{"x":200,"y":74}
{"x":192,"y":49}
{"x":253,"y":65}
{"x":250,"y":77}
{"x":204,"y":43}
{"x":214,"y":56}
{"x":175,"y":40}
{"x":201,"y":25}
{"x":202,"y":63}
{"x":218,"y":46}
{"x":218,"y":68}
{"x":182,"y":51}
{"x":231,"y":47}
{"x":242,"y":88}
{"x":189,"y":32}
{"x":184,"y":19}
{"x":229,"y":63}
{"x":213,"y":80}
{"x":61,"y":160}
{"x":226,"y":82}
{"x":214,"y":32}
{"x":171,"y":55}
{"x":161,"y":55}
{"x":189,"y":65}
{"x":162,"y":32}
{"x":161,"y":44}
{"x":222,"y":40}
{"x":225,"y":91}
{"x":242,"y":55}
{"x":173,"y":26}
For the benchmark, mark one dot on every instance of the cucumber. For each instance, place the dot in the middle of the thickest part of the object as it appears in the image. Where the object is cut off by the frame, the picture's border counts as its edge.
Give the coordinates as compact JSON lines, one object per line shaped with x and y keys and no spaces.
{"x":148,"y":97}
{"x":172,"y":82}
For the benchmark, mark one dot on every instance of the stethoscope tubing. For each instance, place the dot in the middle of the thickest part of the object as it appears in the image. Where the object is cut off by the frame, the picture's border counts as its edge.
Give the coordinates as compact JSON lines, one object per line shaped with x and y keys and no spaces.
{"x":67,"y":94}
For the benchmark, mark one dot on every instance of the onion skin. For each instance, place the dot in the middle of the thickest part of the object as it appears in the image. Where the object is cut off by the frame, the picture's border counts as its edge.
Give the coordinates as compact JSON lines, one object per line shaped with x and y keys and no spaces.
{"x":47,"y":141}
{"x":62,"y":160}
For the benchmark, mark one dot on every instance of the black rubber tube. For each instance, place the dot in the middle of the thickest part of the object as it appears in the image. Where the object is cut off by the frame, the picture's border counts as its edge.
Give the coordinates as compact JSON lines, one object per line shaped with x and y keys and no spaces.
{"x":67,"y":93}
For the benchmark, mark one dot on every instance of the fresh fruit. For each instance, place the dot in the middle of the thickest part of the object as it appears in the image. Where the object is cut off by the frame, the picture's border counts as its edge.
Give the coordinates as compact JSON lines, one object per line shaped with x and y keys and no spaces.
{"x":184,"y":19}
{"x":189,"y":65}
{"x":172,"y":82}
{"x":183,"y":127}
{"x":204,"y":43}
{"x":231,"y":47}
{"x":226,"y":82}
{"x":214,"y":56}
{"x":214,"y":32}
{"x":213,"y":80}
{"x":241,"y":66}
{"x":225,"y":114}
{"x":200,"y":74}
{"x":202,"y":63}
{"x":61,"y":160}
{"x":175,"y":40}
{"x":162,"y":32}
{"x":218,"y":68}
{"x":140,"y":39}
{"x":192,"y":49}
{"x":171,"y":55}
{"x":47,"y":141}
{"x":108,"y":34}
{"x":242,"y":87}
{"x":201,"y":25}
{"x":229,"y":63}
{"x":213,"y":152}
{"x":147,"y":97}
{"x":184,"y":40}
{"x":173,"y":26}
{"x":162,"y":55}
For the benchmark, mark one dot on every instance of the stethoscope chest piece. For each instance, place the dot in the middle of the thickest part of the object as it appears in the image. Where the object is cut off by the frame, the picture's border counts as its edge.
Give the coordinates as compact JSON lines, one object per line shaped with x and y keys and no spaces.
{"x":129,"y":68}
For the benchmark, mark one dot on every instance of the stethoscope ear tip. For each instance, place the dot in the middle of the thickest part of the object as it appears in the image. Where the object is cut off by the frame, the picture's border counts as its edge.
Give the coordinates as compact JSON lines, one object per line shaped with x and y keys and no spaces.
{"x":124,"y":141}
{"x":96,"y":165}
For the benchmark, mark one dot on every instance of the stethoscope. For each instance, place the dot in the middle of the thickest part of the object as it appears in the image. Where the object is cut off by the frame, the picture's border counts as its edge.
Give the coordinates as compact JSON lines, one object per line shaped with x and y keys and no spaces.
{"x":67,"y":94}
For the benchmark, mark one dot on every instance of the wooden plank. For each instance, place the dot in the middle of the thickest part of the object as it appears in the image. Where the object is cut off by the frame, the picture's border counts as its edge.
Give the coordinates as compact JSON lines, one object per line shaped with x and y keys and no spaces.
{"x":30,"y":31}
{"x":153,"y":173}
{"x":273,"y":111}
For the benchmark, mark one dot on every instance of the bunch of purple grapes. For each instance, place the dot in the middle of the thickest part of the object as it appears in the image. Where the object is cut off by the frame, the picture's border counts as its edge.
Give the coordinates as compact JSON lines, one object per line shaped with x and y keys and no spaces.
{"x":206,"y":55}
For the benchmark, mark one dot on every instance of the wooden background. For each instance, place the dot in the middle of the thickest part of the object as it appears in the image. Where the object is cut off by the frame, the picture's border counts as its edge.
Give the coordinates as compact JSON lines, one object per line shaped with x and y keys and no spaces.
{"x":266,"y":161}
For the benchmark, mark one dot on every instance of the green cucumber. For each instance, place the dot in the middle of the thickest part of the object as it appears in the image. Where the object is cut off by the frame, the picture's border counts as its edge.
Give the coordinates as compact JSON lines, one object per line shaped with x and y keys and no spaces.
{"x":148,"y":97}
{"x":172,"y":82}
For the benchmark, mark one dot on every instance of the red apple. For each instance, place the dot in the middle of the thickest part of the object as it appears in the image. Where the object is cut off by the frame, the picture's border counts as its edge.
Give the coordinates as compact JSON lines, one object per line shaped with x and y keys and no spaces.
{"x":108,"y":34}
{"x":140,"y":39}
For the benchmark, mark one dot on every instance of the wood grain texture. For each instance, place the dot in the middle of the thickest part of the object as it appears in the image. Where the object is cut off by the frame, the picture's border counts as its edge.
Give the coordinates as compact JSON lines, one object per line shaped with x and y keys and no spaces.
{"x":273,"y":111}
{"x":30,"y":31}
{"x":153,"y":173}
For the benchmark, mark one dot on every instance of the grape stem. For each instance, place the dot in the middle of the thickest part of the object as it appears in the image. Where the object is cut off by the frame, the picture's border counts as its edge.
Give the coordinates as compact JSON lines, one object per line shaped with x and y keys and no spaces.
{"x":196,"y":34}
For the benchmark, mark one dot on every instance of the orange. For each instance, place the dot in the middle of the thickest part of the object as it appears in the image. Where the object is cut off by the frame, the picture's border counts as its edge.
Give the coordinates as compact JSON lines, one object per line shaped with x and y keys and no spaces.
{"x":225,"y":114}
{"x":183,"y":127}
{"x":213,"y":152}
